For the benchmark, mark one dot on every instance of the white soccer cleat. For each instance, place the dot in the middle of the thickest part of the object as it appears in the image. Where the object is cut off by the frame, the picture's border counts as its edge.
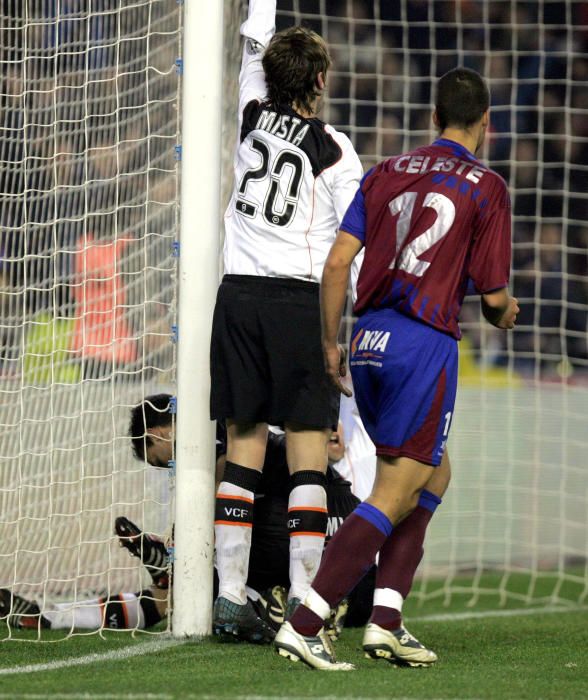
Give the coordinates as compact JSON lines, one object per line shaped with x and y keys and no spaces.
{"x":398,"y":647}
{"x":315,"y":652}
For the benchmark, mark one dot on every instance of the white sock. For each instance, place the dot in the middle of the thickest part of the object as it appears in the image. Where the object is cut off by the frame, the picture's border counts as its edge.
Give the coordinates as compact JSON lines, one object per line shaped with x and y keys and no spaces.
{"x":307,"y":506}
{"x":89,"y":614}
{"x":232,"y":533}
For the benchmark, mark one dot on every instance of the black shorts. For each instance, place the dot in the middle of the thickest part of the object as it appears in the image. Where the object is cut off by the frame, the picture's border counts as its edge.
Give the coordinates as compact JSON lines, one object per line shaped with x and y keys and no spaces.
{"x":266,"y":359}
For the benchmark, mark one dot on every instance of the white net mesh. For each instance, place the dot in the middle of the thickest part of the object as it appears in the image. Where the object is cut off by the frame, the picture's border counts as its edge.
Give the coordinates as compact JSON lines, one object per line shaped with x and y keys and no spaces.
{"x":89,"y":209}
{"x":518,"y":502}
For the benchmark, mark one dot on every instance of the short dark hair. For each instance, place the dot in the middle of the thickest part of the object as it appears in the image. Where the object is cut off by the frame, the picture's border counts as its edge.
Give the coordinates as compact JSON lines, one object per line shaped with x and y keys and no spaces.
{"x":462,"y":98}
{"x":291,"y":62}
{"x":154,"y":411}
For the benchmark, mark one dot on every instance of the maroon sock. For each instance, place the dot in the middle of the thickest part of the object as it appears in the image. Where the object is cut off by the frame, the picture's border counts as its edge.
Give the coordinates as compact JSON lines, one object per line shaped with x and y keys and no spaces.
{"x":398,"y":562}
{"x":346,"y":559}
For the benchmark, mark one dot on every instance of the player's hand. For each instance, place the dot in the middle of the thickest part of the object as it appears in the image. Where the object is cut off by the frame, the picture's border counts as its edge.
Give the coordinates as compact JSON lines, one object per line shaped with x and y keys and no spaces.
{"x":336,"y":366}
{"x":509,"y":317}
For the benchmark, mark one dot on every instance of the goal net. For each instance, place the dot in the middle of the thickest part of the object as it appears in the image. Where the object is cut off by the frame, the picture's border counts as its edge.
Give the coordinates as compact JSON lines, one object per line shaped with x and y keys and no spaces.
{"x":513,"y":525}
{"x":89,"y":212}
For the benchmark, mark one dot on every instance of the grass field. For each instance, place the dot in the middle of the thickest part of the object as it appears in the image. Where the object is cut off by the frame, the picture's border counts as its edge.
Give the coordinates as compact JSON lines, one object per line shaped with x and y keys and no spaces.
{"x":484,"y":652}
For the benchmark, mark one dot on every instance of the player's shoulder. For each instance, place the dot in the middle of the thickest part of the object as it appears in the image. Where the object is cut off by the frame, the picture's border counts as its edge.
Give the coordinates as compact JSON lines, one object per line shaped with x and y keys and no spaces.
{"x":496,"y":186}
{"x":497,"y":180}
{"x":327,"y":148}
{"x":382,"y":168}
{"x":250,"y":116}
{"x":341,"y":139}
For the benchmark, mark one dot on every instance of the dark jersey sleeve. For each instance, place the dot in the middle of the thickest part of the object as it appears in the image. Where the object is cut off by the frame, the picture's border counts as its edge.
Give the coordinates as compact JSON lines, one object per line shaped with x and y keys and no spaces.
{"x":489,"y":266}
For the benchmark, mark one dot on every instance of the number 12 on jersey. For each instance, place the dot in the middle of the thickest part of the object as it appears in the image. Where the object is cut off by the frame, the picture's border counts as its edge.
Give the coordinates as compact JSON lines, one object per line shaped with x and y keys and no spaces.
{"x":403,"y":206}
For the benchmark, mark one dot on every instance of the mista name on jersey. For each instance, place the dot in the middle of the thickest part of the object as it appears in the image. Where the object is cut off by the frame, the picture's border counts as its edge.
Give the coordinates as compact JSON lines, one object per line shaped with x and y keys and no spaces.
{"x":283,"y":126}
{"x":424,"y":164}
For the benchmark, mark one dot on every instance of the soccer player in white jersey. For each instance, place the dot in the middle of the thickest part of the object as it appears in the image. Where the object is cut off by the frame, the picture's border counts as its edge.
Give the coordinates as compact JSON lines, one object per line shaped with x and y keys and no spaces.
{"x":294,"y":178}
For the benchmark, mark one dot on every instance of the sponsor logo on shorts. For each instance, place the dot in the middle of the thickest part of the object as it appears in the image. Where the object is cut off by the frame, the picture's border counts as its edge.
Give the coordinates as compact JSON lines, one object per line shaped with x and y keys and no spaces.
{"x":355,"y":341}
{"x":374,"y":340}
{"x":367,"y":347}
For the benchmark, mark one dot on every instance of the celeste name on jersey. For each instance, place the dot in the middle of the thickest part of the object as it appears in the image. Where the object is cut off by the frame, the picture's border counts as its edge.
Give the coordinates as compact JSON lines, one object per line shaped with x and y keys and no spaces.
{"x":425,"y":164}
{"x":283,"y":126}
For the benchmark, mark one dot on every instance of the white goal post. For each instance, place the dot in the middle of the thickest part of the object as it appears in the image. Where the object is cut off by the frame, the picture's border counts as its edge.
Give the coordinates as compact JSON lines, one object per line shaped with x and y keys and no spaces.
{"x":198,"y":281}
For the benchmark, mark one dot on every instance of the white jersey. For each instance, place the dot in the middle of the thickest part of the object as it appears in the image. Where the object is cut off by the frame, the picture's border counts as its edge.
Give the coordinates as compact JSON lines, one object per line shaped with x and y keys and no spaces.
{"x":294,"y":177}
{"x":358,"y":464}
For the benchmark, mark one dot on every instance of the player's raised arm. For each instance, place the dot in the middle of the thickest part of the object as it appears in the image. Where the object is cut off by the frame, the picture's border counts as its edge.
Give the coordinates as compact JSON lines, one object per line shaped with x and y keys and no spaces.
{"x":333,"y":294}
{"x":258,"y":29}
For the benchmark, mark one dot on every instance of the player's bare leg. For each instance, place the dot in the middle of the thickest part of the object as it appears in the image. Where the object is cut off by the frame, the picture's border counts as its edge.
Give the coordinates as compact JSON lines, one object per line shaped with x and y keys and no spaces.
{"x":234,"y":617}
{"x":246,"y":444}
{"x":306,"y":448}
{"x":386,"y":637}
{"x":440,"y":478}
{"x":398,"y":483}
{"x":306,"y":453}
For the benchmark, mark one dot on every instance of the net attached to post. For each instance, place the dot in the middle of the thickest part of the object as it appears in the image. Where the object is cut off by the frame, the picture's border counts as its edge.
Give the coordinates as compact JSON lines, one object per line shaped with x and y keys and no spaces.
{"x":89,"y":210}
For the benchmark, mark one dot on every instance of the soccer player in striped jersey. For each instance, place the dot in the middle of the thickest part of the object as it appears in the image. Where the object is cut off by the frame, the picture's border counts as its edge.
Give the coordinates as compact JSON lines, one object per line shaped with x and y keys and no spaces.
{"x":430,"y":221}
{"x":294,"y":179}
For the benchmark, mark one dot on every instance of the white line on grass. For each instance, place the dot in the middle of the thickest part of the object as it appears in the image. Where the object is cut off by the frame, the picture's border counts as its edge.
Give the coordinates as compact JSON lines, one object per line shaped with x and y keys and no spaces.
{"x":312,"y":697}
{"x":114,"y":655}
{"x":515,"y":612}
{"x":153,"y":647}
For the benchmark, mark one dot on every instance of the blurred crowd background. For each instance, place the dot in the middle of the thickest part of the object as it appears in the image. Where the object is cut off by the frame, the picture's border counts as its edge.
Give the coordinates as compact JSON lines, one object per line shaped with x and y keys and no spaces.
{"x":88,"y":186}
{"x":88,"y":170}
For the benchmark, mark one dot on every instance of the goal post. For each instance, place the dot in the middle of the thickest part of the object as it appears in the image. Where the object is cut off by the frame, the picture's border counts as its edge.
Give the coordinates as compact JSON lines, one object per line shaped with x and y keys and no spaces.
{"x":202,"y":102}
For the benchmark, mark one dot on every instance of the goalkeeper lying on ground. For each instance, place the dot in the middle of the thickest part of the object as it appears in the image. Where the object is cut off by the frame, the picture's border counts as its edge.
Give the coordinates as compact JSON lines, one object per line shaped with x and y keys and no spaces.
{"x":151,"y":432}
{"x":139,"y":610}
